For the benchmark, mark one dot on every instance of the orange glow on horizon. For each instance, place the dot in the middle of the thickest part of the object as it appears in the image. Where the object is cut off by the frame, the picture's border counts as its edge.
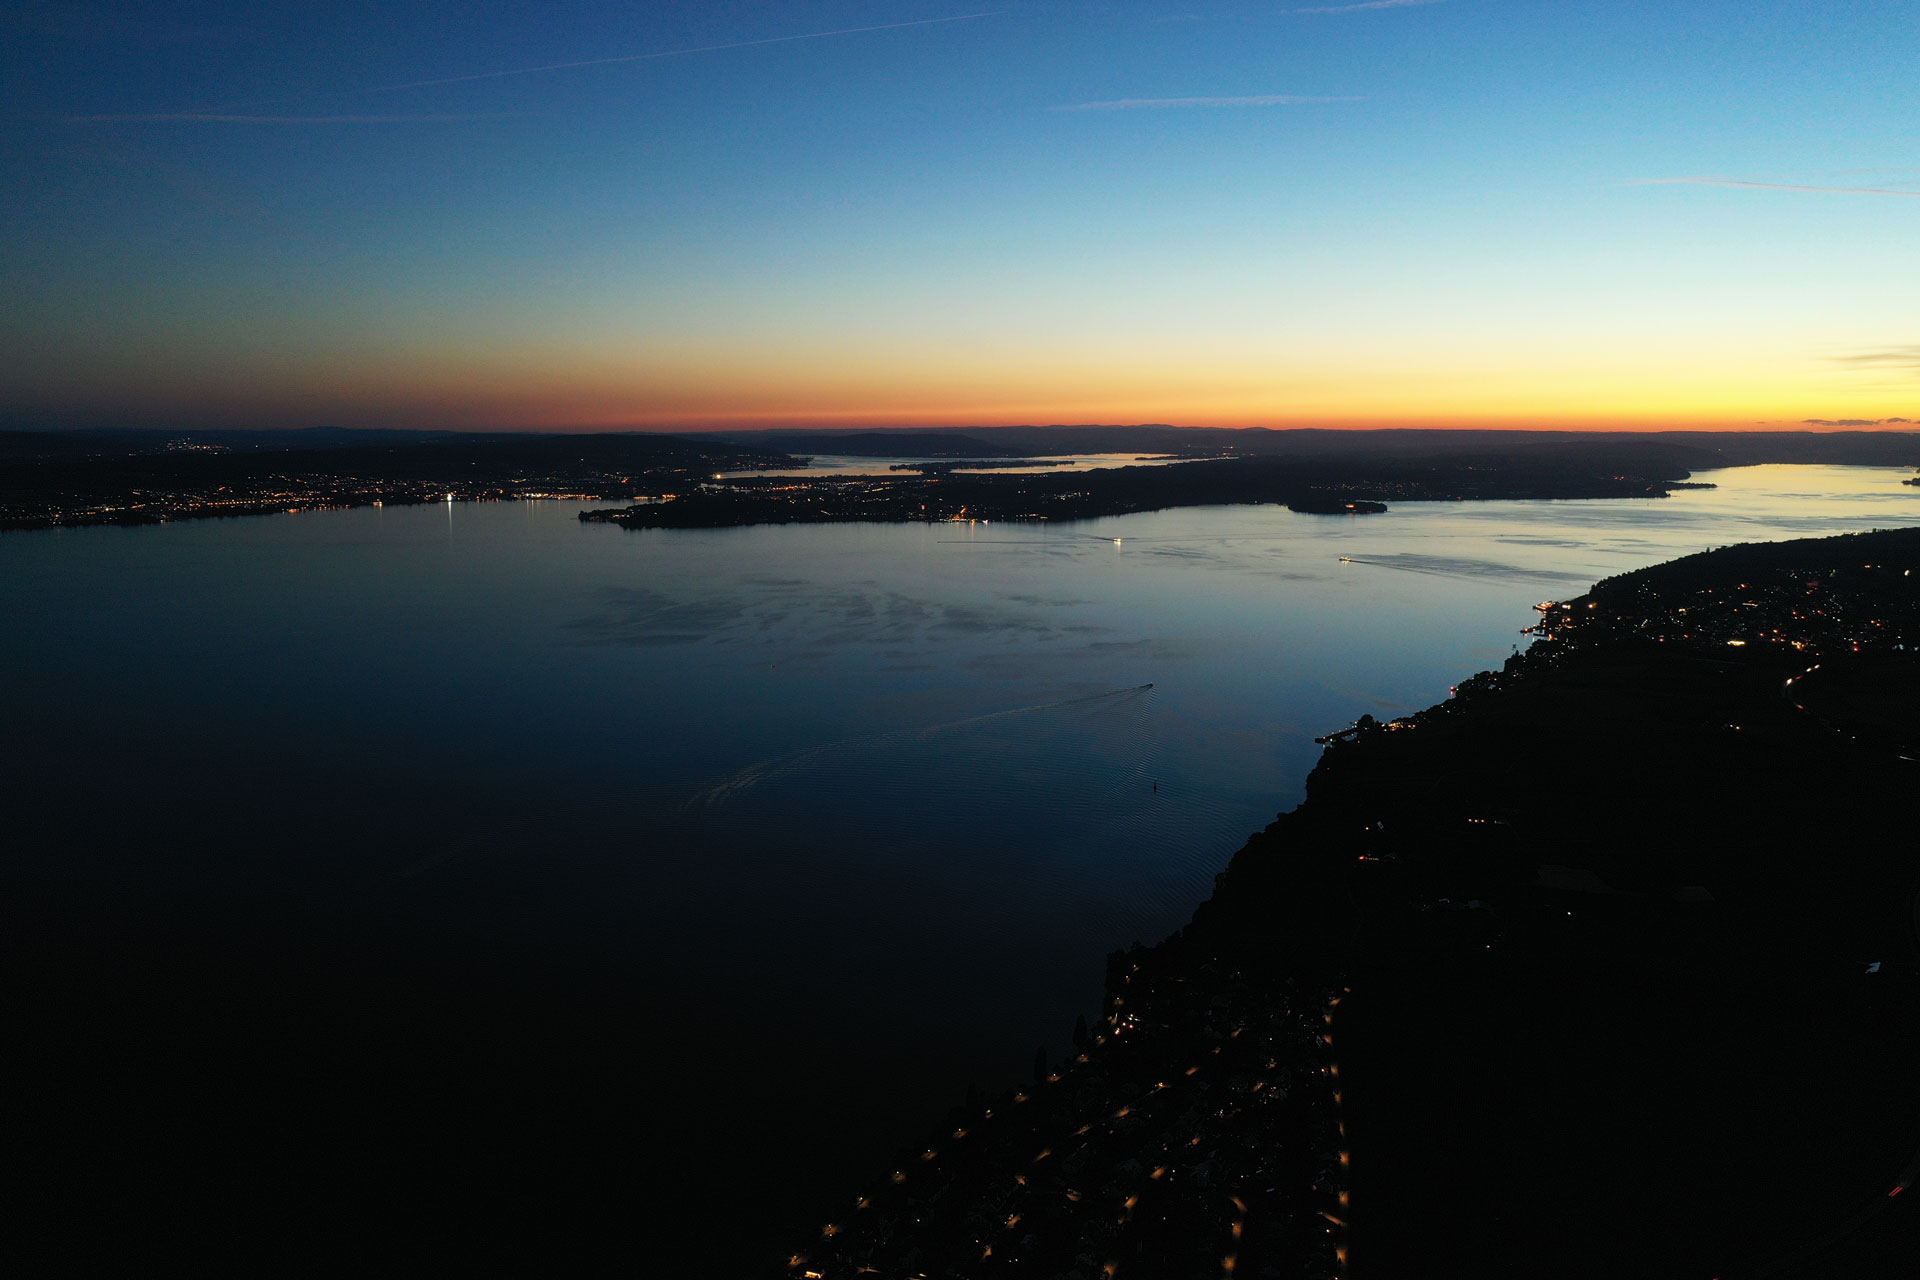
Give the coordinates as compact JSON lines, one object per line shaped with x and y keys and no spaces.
{"x":643,"y":382}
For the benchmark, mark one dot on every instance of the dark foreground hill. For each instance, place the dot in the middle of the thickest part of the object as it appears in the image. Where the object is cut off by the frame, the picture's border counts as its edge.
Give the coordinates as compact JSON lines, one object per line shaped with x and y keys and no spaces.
{"x":1617,"y":954}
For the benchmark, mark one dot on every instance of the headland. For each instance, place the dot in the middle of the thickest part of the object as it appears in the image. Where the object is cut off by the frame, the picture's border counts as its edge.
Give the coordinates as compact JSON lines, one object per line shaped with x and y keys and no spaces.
{"x":1344,"y":485}
{"x":1606,"y":965}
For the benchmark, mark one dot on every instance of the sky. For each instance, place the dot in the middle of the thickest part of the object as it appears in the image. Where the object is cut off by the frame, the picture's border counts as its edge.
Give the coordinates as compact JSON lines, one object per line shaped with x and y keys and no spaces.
{"x":731,"y":214}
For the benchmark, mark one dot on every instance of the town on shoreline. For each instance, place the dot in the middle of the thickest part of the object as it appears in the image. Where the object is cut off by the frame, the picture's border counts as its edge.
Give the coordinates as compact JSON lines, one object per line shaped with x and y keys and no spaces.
{"x":62,"y":479}
{"x":1616,"y":947}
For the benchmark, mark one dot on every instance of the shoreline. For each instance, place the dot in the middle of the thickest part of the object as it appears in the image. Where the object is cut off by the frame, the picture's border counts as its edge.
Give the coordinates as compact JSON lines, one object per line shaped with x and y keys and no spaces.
{"x":1477,"y":931}
{"x":1316,"y":487}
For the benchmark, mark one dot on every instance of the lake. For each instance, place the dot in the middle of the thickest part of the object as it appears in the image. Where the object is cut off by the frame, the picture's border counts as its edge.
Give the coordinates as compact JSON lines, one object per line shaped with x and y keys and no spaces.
{"x":549,"y":885}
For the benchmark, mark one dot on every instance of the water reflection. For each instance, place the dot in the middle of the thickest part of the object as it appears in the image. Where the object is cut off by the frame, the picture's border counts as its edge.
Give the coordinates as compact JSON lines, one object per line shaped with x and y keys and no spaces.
{"x":887,"y":792}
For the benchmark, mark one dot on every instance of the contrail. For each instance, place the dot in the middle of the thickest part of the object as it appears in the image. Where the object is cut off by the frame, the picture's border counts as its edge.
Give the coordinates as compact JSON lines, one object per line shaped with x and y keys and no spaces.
{"x":224,"y":114}
{"x":1370,"y":4}
{"x":670,"y":53}
{"x":1149,"y":104}
{"x":205,"y":117}
{"x":1772,"y":186}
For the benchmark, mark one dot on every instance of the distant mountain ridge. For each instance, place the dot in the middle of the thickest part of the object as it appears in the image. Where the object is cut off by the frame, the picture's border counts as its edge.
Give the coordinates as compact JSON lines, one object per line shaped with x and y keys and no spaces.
{"x":878,"y":444}
{"x":1883,"y":447}
{"x":1727,"y":448}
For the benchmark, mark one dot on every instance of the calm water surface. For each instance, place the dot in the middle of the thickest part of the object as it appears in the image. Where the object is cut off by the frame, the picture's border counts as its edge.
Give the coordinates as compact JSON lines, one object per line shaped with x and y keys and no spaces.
{"x":829,"y":820}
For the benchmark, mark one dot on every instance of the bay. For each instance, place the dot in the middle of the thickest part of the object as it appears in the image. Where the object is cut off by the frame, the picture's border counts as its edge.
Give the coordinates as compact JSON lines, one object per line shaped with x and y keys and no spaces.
{"x":711,"y":865}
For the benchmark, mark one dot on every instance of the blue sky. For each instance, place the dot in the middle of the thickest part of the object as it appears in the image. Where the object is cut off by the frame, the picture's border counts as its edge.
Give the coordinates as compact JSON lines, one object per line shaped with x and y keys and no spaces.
{"x":1455,"y":212}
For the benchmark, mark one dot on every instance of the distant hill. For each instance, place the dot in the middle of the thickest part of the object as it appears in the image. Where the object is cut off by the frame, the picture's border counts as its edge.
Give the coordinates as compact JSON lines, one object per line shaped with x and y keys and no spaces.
{"x":1886,"y":446}
{"x":1883,"y":447}
{"x":120,"y":442}
{"x":880,"y":444}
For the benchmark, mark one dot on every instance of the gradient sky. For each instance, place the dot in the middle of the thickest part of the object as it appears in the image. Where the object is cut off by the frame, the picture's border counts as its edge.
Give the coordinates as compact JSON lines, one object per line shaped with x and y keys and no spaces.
{"x":1460,"y":212}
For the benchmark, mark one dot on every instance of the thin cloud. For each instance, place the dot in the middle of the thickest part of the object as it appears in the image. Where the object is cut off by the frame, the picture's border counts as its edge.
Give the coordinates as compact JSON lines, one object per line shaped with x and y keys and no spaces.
{"x":201,"y":117}
{"x":1161,"y":104}
{"x":1370,"y":4}
{"x":232,"y":113}
{"x":1853,"y":422}
{"x":1886,"y":358}
{"x":651,"y":57}
{"x":1773,"y":186}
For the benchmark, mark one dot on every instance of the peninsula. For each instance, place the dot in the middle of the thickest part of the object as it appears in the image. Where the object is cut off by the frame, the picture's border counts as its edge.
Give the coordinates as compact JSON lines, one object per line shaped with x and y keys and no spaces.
{"x":1355,"y":484}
